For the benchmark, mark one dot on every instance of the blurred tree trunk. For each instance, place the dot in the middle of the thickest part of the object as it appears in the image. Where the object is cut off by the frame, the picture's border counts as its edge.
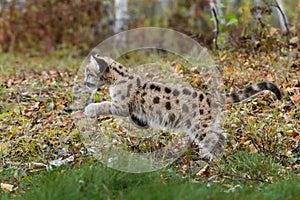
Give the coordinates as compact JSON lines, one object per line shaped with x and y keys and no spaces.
{"x":282,"y":17}
{"x":121,"y":19}
{"x":278,"y":6}
{"x":121,"y":15}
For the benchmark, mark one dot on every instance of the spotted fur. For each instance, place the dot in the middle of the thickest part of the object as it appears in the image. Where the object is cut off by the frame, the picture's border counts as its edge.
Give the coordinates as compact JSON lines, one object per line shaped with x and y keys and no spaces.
{"x":176,"y":107}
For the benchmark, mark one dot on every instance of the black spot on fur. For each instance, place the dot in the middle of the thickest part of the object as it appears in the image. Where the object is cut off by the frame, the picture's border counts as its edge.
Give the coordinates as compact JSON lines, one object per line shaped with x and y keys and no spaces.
{"x":128,"y":89}
{"x":208,"y":101}
{"x":249,"y":91}
{"x":176,"y":93}
{"x":129,"y":86}
{"x":122,"y":97}
{"x":143,"y":101}
{"x":201,"y":111}
{"x":144,"y":93}
{"x":177,"y":101}
{"x":156,"y":100}
{"x":186,"y":91}
{"x":201,"y":97}
{"x":185,"y":108}
{"x":171,"y":117}
{"x":188,"y":123}
{"x":235,"y":97}
{"x":130,"y":77}
{"x":205,"y":125}
{"x":202,"y":136}
{"x":168,"y":90}
{"x":168,"y":105}
{"x":154,"y":87}
{"x":119,"y":72}
{"x":194,"y":94}
{"x":138,"y":82}
{"x":121,"y":82}
{"x":144,"y":86}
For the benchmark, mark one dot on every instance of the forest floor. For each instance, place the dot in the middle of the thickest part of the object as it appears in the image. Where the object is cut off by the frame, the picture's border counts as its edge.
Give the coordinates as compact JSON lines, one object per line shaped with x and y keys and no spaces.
{"x":262,"y":158}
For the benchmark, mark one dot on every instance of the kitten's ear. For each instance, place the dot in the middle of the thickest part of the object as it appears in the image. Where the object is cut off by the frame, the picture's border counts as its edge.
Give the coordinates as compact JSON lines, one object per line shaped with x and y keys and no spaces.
{"x":94,"y":63}
{"x":98,"y":64}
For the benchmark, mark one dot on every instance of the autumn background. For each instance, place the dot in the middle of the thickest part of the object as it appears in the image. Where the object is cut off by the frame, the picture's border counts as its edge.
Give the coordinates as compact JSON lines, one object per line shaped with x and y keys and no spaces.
{"x":42,"y":46}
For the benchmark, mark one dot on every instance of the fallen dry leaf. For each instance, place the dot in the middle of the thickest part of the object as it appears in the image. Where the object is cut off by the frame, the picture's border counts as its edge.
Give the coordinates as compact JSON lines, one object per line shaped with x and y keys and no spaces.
{"x":77,"y":114}
{"x":3,"y":147}
{"x":293,"y":133}
{"x":252,"y":148}
{"x":250,"y":119}
{"x":204,"y":172}
{"x":8,"y":187}
{"x":229,"y":69}
{"x":273,"y":31}
{"x":296,"y":99}
{"x":197,"y":81}
{"x":177,"y":68}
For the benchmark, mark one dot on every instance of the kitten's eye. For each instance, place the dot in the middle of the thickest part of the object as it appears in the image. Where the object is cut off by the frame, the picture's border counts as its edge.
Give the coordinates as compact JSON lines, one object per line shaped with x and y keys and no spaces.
{"x":92,"y":76}
{"x":89,"y":85}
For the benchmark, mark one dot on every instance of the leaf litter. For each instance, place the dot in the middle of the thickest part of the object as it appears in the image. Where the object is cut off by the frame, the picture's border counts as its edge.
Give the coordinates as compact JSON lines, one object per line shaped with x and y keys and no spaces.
{"x":36,"y":132}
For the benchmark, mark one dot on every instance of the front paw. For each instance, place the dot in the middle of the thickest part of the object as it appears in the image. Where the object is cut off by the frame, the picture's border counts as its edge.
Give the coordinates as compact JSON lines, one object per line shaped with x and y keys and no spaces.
{"x":90,"y":110}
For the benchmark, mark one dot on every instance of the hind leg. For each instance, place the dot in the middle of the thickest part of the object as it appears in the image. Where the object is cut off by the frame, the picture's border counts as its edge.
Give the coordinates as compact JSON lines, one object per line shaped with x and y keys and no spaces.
{"x":211,"y":144}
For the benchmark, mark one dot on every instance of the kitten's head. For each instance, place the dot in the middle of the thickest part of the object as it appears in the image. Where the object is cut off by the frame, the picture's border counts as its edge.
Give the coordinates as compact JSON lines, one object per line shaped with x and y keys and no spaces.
{"x":95,"y":70}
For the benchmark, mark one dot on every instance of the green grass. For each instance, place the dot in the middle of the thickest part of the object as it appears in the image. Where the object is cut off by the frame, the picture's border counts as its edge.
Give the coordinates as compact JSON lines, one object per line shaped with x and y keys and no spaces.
{"x":98,"y":182}
{"x":21,"y":64}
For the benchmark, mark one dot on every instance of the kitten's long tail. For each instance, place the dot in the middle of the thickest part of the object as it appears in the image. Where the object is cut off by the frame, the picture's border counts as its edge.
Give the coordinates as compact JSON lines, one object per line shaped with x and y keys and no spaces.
{"x":251,"y":90}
